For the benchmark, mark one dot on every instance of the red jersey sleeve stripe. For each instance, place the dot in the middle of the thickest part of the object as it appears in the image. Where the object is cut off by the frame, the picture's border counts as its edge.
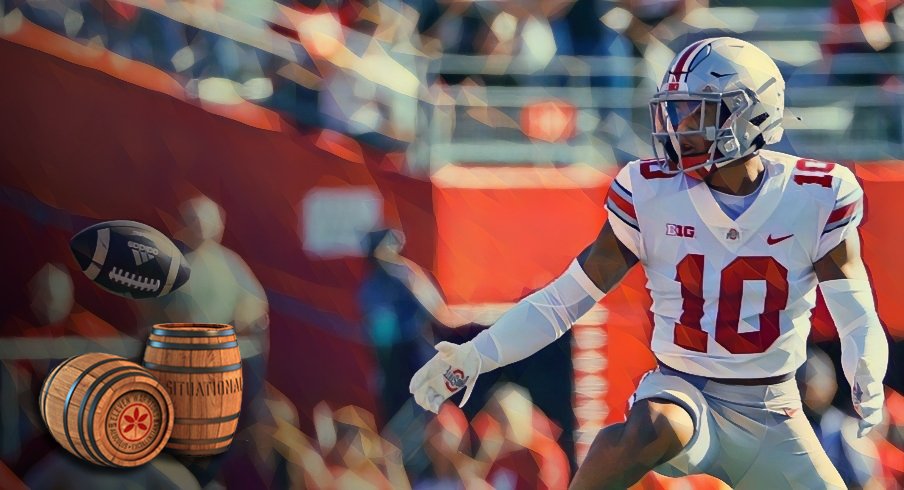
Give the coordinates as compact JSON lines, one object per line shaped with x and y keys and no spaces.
{"x":842,"y":212}
{"x":622,"y":203}
{"x":614,"y":211}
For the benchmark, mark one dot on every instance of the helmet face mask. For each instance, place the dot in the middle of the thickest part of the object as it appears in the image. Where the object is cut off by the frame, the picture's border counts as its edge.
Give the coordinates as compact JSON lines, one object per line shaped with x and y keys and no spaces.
{"x":720,"y":100}
{"x":695,"y":131}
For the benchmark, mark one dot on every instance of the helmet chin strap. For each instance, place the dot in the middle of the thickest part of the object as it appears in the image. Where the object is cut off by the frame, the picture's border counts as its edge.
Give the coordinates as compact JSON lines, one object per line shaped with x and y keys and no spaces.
{"x":686,"y":160}
{"x":692,"y":160}
{"x":699,"y":173}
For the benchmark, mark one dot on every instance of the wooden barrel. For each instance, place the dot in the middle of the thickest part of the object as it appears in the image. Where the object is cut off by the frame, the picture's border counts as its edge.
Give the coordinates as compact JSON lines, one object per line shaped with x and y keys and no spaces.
{"x":201,"y":368}
{"x":106,"y":410}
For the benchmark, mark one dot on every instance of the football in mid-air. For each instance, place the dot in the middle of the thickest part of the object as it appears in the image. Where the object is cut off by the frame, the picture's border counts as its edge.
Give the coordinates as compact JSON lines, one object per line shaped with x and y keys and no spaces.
{"x":130,"y":259}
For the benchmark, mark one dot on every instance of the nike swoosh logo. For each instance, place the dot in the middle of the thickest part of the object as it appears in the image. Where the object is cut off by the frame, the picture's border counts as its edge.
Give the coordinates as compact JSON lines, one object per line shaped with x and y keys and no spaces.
{"x":773,"y":241}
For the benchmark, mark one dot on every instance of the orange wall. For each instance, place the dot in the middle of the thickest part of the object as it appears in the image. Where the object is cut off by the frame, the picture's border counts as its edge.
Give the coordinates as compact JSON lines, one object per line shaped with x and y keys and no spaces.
{"x":503,"y":233}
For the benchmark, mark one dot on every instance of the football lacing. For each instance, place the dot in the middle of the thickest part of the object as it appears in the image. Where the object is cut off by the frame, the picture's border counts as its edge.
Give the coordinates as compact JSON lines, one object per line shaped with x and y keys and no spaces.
{"x":133,"y":280}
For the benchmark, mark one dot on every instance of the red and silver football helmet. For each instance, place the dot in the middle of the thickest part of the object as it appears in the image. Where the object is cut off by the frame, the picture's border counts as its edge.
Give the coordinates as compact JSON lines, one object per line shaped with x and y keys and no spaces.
{"x":726,"y":90}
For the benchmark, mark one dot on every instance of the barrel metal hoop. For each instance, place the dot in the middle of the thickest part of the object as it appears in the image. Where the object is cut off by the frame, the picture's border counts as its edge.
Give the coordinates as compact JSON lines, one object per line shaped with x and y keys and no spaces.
{"x":69,"y":398}
{"x":176,"y":346}
{"x":48,"y":383}
{"x":192,"y":370}
{"x":193,"y":333}
{"x":195,"y":442}
{"x":212,"y":420}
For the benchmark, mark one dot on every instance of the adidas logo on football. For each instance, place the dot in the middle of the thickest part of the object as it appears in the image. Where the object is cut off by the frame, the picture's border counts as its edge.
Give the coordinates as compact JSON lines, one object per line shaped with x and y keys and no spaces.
{"x":142,"y":253}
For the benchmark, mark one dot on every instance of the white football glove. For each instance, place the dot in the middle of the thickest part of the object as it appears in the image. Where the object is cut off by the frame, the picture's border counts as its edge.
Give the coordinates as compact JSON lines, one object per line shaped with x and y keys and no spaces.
{"x":453,"y":367}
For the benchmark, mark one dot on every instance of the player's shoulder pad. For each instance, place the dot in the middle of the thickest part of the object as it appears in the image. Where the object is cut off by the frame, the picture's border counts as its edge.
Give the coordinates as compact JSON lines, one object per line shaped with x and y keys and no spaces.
{"x":645,"y":172}
{"x":826,"y":180}
{"x":844,"y":180}
{"x":628,"y":188}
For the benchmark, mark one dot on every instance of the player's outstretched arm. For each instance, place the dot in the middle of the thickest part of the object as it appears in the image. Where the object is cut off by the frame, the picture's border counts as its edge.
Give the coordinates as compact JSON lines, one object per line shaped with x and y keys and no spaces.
{"x":864,"y":348}
{"x":533,"y":323}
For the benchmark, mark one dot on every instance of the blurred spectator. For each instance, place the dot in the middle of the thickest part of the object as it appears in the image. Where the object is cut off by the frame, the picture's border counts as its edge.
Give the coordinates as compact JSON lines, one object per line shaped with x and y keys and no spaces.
{"x":862,"y":27}
{"x":297,"y":84}
{"x":225,"y":70}
{"x":547,"y":375}
{"x":221,"y":289}
{"x":449,"y":26}
{"x":518,"y":443}
{"x":295,"y":453}
{"x":372,"y":83}
{"x":54,"y":312}
{"x":595,"y":28}
{"x":654,"y":27}
{"x":448,"y":447}
{"x":891,"y":447}
{"x":55,"y":15}
{"x":274,"y":453}
{"x":520,"y":32}
{"x":854,"y":458}
{"x":355,"y":453}
{"x":132,"y":32}
{"x":397,"y":323}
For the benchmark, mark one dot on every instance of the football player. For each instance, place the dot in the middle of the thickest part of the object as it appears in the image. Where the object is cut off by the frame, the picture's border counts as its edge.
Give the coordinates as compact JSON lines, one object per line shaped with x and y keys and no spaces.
{"x":734,"y":239}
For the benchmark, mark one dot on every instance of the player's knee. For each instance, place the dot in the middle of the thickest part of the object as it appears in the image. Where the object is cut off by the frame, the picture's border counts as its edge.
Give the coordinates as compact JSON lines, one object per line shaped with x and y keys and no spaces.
{"x":658,"y":428}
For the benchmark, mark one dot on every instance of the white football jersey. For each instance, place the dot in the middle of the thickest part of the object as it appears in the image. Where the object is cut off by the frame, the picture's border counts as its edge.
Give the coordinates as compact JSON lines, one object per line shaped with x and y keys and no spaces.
{"x":732,"y":298}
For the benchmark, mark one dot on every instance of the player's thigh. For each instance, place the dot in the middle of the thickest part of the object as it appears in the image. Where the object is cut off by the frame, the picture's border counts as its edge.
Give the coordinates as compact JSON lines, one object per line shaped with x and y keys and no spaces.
{"x":657,"y":429}
{"x":791,"y":458}
{"x":684,"y":394}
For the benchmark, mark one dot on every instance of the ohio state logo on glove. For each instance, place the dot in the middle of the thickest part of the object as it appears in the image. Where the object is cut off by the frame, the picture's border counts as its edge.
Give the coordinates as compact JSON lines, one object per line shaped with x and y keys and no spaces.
{"x":455,"y":379}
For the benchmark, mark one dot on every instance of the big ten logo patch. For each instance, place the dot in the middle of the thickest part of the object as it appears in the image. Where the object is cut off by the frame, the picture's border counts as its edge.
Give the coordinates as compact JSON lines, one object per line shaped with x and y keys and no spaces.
{"x":685,"y":231}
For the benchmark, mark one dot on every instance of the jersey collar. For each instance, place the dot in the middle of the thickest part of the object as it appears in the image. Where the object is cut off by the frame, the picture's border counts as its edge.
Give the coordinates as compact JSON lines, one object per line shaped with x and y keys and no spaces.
{"x":745,"y":226}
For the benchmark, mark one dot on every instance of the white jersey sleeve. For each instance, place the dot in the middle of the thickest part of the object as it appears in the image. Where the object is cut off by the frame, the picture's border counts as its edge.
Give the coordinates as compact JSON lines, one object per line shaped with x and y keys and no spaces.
{"x":846,"y":213}
{"x":622,"y":215}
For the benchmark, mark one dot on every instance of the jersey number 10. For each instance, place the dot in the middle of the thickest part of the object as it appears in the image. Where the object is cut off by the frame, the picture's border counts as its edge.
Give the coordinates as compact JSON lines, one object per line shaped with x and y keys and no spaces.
{"x":688,"y":332}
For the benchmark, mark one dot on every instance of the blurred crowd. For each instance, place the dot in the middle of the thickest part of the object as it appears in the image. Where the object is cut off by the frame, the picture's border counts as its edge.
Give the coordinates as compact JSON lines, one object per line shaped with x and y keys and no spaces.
{"x":373,"y":68}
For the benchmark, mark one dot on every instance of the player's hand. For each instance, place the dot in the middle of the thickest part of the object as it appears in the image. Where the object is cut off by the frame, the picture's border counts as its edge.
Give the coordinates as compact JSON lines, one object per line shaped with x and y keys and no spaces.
{"x":453,"y":367}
